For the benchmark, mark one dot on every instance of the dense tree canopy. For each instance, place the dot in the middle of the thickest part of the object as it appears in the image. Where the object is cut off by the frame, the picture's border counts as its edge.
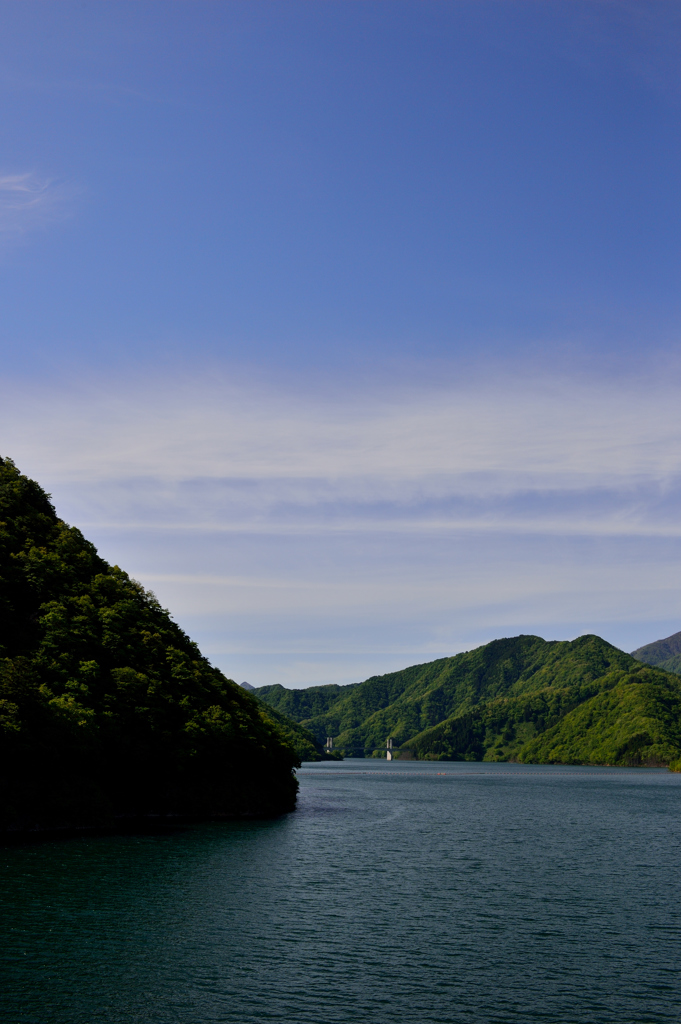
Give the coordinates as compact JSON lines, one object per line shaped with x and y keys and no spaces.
{"x":664,"y":654}
{"x":106,"y":707}
{"x":521,"y":698}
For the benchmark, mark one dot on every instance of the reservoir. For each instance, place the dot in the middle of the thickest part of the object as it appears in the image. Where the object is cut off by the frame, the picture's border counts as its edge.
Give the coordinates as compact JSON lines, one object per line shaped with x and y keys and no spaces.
{"x":451,"y":893}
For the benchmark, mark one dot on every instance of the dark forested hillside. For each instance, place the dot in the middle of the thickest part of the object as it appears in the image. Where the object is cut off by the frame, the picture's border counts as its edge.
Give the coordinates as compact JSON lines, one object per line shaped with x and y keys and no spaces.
{"x":665,"y":654}
{"x":521,"y":698}
{"x":672,"y":664}
{"x":303,"y":704}
{"x":307,"y":748}
{"x":106,"y":707}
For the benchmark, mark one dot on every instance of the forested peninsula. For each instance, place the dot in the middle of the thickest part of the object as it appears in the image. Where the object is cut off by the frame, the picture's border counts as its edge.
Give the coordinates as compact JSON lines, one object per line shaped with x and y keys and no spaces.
{"x":518,"y":699}
{"x":108,"y":711}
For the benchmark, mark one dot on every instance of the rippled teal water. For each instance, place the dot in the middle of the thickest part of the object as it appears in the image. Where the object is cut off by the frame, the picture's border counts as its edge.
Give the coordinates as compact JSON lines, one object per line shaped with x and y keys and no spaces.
{"x":397,"y":892}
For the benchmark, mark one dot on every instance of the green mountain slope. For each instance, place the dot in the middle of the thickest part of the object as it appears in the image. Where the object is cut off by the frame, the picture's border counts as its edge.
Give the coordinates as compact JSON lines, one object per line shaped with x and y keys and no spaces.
{"x":636,"y":721}
{"x":494,"y":702}
{"x":302,"y":705}
{"x":106,"y":707}
{"x":665,"y":654}
{"x":625,"y":718}
{"x":672,"y":664}
{"x":307,"y":748}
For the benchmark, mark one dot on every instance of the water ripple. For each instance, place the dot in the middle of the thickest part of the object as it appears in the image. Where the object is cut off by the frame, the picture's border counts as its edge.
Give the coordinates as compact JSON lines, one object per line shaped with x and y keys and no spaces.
{"x":526,"y":895}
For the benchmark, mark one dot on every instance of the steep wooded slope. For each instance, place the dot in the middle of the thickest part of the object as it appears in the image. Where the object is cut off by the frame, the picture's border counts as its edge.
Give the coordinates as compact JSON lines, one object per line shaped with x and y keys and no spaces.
{"x":665,"y":654}
{"x":106,"y":707}
{"x":307,"y":748}
{"x":625,"y":718}
{"x":493,"y":702}
{"x":302,"y":705}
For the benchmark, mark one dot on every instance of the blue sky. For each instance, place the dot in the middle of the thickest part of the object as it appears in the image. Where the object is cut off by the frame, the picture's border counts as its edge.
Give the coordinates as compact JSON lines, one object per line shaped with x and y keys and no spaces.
{"x":352,"y":328}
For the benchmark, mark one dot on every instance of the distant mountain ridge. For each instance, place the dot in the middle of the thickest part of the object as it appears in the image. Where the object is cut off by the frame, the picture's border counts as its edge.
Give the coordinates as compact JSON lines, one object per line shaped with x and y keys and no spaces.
{"x":302,"y":705}
{"x":665,"y":654}
{"x":520,"y":698}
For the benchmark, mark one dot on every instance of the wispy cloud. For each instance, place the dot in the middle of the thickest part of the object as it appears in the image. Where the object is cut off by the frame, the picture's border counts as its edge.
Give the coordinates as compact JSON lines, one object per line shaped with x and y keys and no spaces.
{"x":387,"y":517}
{"x":547,"y":456}
{"x":28,"y":201}
{"x":488,"y":440}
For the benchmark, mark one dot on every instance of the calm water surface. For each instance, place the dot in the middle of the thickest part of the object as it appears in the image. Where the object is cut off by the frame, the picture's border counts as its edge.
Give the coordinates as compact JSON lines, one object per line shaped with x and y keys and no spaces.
{"x":405,"y":892}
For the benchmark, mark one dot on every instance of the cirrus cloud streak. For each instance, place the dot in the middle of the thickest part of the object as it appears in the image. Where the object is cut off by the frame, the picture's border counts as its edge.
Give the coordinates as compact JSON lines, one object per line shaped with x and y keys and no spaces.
{"x":429,"y":518}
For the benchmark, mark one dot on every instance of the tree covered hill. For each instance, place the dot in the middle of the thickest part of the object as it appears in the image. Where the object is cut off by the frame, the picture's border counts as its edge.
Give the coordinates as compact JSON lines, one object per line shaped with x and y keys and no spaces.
{"x":106,"y":707}
{"x":302,"y":705}
{"x":521,"y":698}
{"x":665,"y":654}
{"x":307,"y":748}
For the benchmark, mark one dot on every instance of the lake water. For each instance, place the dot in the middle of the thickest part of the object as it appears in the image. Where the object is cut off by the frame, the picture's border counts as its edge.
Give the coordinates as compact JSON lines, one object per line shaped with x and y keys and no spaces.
{"x":405,"y":892}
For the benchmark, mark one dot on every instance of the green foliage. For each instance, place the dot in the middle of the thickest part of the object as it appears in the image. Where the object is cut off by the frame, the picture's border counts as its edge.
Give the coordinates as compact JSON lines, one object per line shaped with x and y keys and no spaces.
{"x":672,"y":664}
{"x":665,"y":654}
{"x":301,"y":705}
{"x":636,"y":722}
{"x":507,"y":700}
{"x":106,"y":706}
{"x":300,"y":739}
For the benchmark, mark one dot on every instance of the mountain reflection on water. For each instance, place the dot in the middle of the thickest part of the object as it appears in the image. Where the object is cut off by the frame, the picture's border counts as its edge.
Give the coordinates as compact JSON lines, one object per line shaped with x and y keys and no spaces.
{"x":415,"y":892}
